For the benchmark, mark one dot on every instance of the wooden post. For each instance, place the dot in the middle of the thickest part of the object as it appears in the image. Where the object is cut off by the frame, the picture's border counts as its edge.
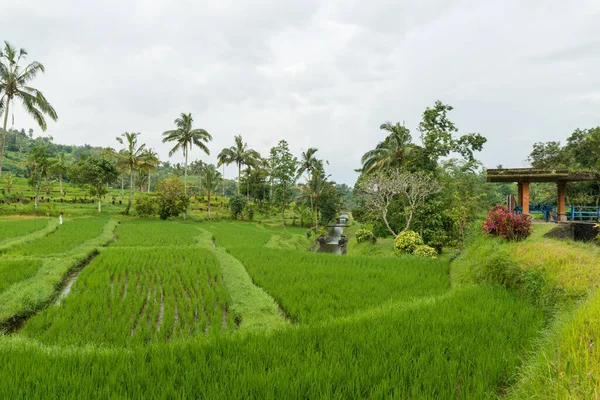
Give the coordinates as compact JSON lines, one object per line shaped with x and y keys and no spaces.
{"x":525,"y":198}
{"x":519,"y":194}
{"x":562,"y":216}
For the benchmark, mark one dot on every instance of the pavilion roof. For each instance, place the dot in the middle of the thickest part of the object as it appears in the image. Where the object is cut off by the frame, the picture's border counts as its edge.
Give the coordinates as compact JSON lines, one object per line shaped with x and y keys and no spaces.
{"x":539,"y":175}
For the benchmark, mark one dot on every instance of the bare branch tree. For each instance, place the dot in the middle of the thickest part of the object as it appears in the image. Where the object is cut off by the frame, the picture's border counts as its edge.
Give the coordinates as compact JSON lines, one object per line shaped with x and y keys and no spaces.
{"x":381,"y":189}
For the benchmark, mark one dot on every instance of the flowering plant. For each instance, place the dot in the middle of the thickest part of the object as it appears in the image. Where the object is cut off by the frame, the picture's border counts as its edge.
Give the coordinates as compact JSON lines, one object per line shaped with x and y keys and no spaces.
{"x":502,"y":222}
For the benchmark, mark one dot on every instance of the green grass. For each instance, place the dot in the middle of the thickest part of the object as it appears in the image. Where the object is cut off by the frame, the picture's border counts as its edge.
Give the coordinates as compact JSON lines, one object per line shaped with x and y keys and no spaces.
{"x":12,"y":271}
{"x":457,"y":347}
{"x":32,"y":293}
{"x":368,"y":327}
{"x":313,"y":287}
{"x":128,"y":296}
{"x":14,"y":227}
{"x":147,"y":233}
{"x":69,"y":235}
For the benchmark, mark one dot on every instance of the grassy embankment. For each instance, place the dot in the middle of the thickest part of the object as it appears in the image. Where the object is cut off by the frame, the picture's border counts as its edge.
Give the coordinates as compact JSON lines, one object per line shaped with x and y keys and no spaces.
{"x":561,"y":278}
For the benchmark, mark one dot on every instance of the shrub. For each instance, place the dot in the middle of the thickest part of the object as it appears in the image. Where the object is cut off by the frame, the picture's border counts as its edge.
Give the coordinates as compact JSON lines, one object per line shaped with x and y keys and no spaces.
{"x":146,"y":205}
{"x":502,"y":222}
{"x":322,"y":231}
{"x":406,"y":242}
{"x":363,"y":235}
{"x":237,"y":204}
{"x":172,"y":199}
{"x":425,"y":251}
{"x":250,"y":209}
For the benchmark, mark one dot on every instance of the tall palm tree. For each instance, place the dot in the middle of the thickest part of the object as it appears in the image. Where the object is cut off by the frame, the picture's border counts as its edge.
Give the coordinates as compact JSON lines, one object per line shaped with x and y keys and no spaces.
{"x":132,"y":157}
{"x":309,"y":164}
{"x":14,"y":80}
{"x":392,"y":152}
{"x":239,"y":154}
{"x":210,"y":182}
{"x":149,"y":163}
{"x":185,"y":137}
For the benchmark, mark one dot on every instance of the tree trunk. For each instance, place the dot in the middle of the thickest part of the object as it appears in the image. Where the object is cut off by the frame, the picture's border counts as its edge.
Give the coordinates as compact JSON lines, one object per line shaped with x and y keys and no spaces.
{"x":130,"y":192}
{"x":60,"y":184}
{"x":99,"y":204}
{"x":410,"y":215}
{"x":239,"y":175}
{"x":37,"y":196}
{"x":208,"y":195}
{"x":122,"y":184}
{"x":185,"y":171}
{"x":283,"y":215}
{"x":148,"y":181}
{"x":387,"y":224}
{"x":4,"y":135}
{"x":223,"y":182}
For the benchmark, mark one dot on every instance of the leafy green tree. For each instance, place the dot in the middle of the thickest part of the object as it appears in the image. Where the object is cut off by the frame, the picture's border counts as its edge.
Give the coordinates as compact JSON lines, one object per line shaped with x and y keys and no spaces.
{"x":59,"y":167}
{"x":284,"y":174}
{"x":237,"y":204}
{"x":94,"y":174}
{"x":38,"y":164}
{"x":547,"y":155}
{"x":437,"y":135}
{"x":14,"y":84}
{"x":10,"y":180}
{"x":392,"y":152}
{"x":172,"y":198}
{"x":131,"y":157}
{"x":185,"y":137}
{"x":211,"y":178}
{"x":239,"y":154}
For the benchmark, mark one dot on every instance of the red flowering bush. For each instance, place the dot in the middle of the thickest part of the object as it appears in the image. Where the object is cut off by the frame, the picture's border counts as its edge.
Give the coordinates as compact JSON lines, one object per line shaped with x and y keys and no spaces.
{"x":502,"y":222}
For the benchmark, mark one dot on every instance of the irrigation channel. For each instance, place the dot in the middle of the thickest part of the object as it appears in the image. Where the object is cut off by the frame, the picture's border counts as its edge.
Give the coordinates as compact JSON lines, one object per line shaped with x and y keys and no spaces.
{"x":335,"y":242}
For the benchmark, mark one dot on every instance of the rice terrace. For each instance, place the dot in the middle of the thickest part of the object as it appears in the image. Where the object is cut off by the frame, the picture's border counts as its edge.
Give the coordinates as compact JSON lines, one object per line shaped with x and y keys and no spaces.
{"x":297,"y":245}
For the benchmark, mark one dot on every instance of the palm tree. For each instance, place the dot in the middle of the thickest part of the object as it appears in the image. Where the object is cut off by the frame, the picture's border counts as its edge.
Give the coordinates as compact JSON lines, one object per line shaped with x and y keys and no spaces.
{"x":240,"y":155}
{"x":185,"y":137}
{"x":210,"y":182}
{"x":309,"y":164}
{"x":149,"y":163}
{"x":392,"y":152}
{"x":132,"y":157}
{"x":14,"y":81}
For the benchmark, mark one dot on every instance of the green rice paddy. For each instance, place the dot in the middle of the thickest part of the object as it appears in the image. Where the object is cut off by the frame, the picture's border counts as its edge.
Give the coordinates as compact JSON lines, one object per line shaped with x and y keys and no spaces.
{"x":163,"y":313}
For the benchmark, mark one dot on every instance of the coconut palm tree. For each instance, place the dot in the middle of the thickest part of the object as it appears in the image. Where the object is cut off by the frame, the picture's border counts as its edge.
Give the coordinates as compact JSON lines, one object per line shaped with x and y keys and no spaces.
{"x":239,"y":154}
{"x":211,"y":178}
{"x":392,"y":152}
{"x":14,"y":84}
{"x":185,"y":137}
{"x":132,"y":157}
{"x":149,"y":163}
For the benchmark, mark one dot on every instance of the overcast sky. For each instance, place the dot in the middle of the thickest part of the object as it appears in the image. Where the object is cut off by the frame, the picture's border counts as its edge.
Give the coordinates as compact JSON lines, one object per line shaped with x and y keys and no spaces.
{"x":323,"y":73}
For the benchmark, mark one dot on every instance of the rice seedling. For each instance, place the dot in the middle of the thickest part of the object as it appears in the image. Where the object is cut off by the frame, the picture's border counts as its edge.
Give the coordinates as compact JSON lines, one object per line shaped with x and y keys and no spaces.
{"x":12,"y":228}
{"x":467,"y":345}
{"x":68,"y":236}
{"x":156,"y":233}
{"x":12,"y":271}
{"x":128,"y":296}
{"x":313,"y":287}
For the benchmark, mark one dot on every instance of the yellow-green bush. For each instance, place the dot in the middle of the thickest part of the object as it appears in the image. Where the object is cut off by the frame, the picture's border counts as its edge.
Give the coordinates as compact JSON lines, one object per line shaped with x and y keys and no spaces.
{"x":363,"y":235}
{"x":425,"y":251}
{"x":406,"y":242}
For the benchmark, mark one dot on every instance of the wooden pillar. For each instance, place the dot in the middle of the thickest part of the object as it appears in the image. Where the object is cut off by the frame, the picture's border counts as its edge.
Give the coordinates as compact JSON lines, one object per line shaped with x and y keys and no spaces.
{"x":525,"y":198}
{"x":519,"y":194}
{"x":562,"y":216}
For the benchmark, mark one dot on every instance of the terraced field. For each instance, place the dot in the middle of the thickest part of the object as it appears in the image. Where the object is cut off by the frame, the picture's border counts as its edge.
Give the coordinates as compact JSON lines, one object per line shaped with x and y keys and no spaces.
{"x":164,"y":313}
